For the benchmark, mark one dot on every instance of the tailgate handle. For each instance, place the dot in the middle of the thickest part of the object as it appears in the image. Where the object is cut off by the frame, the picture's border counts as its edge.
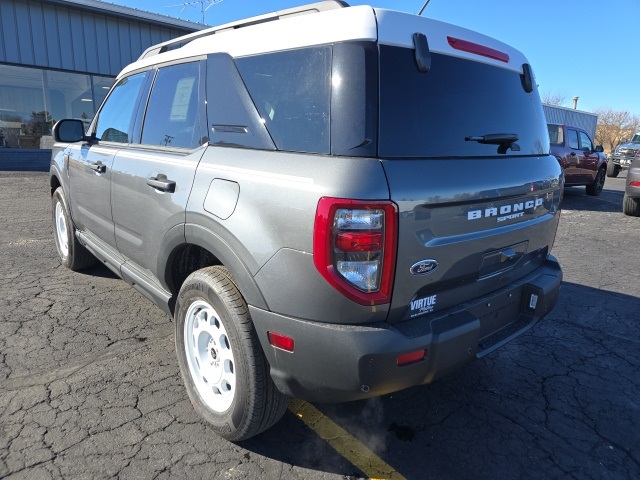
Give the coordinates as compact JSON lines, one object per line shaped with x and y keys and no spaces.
{"x":507,"y":255}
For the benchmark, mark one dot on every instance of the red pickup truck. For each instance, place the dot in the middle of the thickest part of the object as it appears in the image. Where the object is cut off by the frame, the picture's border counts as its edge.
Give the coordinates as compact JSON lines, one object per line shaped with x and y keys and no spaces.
{"x":582,"y":163}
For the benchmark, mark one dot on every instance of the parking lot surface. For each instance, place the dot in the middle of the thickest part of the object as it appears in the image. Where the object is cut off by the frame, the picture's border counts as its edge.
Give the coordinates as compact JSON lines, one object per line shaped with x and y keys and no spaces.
{"x":90,"y":386}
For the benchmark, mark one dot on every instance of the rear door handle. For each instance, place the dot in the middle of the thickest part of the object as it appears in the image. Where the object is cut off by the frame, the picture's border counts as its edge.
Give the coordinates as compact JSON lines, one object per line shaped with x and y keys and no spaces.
{"x":162,"y":183}
{"x":98,"y":167}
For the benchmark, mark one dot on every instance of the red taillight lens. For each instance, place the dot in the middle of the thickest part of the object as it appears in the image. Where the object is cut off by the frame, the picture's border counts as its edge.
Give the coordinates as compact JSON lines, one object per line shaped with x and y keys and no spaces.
{"x":635,"y":184}
{"x":359,"y":241}
{"x":412,"y":357}
{"x":354,"y":247}
{"x":281,"y":341}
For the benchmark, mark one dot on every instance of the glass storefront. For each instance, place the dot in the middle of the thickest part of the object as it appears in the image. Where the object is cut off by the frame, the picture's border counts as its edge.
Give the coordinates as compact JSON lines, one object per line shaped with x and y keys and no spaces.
{"x":33,"y":99}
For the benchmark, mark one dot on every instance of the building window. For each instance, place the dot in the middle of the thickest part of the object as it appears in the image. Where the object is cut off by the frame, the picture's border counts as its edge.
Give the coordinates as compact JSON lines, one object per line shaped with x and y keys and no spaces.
{"x":33,"y":99}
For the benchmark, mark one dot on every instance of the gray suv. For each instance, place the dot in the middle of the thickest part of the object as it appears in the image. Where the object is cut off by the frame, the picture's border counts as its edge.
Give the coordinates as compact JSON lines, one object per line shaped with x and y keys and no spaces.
{"x":332,"y":202}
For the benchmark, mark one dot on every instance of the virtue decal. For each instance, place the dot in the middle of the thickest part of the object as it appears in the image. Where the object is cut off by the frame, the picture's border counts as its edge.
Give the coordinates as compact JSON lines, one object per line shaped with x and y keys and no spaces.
{"x":422,"y":306}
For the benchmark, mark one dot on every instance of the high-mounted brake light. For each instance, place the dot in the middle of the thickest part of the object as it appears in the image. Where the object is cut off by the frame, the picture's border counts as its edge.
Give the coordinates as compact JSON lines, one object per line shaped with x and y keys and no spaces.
{"x":354,"y":247}
{"x":478,"y":49}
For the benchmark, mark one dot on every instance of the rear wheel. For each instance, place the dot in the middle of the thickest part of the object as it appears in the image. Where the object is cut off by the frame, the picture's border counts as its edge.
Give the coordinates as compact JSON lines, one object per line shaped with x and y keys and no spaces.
{"x":72,"y":253}
{"x":613,"y":169}
{"x":598,"y":184}
{"x":221,"y":360}
{"x":631,"y":206}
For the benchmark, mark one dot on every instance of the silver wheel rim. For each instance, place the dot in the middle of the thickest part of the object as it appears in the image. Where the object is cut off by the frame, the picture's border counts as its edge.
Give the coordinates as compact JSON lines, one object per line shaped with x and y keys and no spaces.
{"x":209,"y":356}
{"x":61,"y":230}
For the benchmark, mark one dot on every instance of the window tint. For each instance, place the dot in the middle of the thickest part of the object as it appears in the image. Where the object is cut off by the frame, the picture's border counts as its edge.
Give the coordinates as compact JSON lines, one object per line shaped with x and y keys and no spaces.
{"x":556,"y":135}
{"x":572,"y":137}
{"x":585,"y":142}
{"x":431,"y":114}
{"x":115,"y":117}
{"x":175,"y":108}
{"x":291,"y":90}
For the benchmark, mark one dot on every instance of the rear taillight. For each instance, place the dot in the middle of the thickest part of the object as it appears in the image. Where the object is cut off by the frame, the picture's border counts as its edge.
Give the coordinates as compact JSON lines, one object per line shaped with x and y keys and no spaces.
{"x":635,"y":184}
{"x":354,"y":247}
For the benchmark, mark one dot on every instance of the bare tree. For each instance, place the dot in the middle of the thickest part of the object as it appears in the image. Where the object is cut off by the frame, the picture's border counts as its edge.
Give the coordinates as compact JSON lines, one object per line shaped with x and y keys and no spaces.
{"x":615,"y":126}
{"x":553,"y":98}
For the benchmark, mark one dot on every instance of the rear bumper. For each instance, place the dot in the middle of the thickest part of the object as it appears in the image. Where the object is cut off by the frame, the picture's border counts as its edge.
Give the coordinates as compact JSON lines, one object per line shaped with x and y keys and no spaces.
{"x":337,"y":363}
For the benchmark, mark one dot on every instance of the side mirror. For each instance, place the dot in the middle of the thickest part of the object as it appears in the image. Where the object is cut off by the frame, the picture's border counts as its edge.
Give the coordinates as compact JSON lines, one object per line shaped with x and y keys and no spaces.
{"x":69,"y":131}
{"x":599,"y":149}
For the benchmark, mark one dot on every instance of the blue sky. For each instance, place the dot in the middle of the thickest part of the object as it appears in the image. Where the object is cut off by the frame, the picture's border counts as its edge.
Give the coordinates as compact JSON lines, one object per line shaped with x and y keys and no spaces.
{"x":584,"y":48}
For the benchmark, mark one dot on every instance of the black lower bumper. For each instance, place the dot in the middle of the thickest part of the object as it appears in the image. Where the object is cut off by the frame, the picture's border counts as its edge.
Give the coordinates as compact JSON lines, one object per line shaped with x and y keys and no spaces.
{"x":336,"y":363}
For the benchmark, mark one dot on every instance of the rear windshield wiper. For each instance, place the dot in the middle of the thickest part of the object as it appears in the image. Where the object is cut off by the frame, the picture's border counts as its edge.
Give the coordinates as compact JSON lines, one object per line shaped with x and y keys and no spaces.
{"x":505,"y":141}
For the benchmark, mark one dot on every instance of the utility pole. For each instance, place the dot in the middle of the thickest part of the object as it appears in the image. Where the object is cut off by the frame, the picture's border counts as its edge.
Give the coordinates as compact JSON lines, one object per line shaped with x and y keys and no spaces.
{"x":195,"y":3}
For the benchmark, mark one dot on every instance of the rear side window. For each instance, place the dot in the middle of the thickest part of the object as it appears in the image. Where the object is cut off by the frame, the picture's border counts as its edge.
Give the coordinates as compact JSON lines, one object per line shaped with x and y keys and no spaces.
{"x":556,"y":135}
{"x":431,"y":114}
{"x":115,"y":118}
{"x":174,"y":114}
{"x":292,"y":92}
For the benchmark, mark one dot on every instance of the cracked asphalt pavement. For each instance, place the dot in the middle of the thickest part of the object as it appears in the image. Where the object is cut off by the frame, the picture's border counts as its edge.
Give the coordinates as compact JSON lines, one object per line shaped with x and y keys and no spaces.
{"x":90,"y":386}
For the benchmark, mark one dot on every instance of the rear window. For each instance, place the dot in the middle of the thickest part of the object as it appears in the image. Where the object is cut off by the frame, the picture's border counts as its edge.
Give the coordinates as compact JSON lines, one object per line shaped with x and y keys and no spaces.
{"x":430,"y":114}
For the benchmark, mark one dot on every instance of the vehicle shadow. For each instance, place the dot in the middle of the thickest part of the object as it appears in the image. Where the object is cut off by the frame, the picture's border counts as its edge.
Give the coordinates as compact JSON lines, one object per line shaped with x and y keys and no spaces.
{"x":531,"y":406}
{"x":575,"y":198}
{"x":99,"y":270}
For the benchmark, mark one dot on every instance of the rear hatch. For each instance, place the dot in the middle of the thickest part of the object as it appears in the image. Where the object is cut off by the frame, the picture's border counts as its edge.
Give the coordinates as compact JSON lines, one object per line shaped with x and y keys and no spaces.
{"x":466,"y":152}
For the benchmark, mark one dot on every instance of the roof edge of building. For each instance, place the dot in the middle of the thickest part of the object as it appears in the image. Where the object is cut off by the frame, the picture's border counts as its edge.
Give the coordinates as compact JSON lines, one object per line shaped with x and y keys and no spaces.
{"x":120,"y":10}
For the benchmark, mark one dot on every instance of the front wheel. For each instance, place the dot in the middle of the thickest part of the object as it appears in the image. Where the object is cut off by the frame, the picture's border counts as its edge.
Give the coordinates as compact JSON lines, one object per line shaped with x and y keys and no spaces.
{"x":598,"y":184}
{"x":72,"y":253}
{"x":222,"y":364}
{"x":613,"y":169}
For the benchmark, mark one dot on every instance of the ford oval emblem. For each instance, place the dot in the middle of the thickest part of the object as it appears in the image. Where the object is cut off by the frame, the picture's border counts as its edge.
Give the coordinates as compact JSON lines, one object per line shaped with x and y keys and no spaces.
{"x":424,"y":266}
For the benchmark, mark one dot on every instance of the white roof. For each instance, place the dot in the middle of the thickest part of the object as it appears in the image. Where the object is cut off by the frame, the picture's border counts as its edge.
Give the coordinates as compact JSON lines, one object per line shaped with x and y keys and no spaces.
{"x":338,"y":25}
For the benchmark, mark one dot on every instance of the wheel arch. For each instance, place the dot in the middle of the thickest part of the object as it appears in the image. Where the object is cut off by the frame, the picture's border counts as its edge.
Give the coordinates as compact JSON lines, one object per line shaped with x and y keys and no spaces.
{"x":191,"y":248}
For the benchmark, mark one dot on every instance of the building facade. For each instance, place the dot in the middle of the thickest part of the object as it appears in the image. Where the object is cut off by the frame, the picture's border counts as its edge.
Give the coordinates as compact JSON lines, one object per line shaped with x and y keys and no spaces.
{"x":58,"y":59}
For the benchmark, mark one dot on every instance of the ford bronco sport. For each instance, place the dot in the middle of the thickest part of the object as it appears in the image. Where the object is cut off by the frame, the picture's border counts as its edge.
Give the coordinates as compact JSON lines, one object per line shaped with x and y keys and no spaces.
{"x":333,"y":203}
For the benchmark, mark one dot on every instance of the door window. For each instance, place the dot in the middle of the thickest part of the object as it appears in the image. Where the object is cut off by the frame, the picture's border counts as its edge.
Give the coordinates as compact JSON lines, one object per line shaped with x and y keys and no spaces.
{"x":585,"y":142}
{"x":174,"y":114}
{"x":116,"y":116}
{"x":572,"y":137}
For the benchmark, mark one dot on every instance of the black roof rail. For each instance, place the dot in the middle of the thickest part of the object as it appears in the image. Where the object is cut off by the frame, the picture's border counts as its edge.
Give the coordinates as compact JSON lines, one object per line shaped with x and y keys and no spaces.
{"x":268,"y":17}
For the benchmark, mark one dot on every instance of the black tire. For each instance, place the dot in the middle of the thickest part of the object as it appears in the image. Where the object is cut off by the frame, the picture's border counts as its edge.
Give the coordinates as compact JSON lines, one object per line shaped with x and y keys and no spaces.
{"x":613,"y":169}
{"x":631,"y":206}
{"x":210,"y":307}
{"x":71,"y":252}
{"x":598,"y":183}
